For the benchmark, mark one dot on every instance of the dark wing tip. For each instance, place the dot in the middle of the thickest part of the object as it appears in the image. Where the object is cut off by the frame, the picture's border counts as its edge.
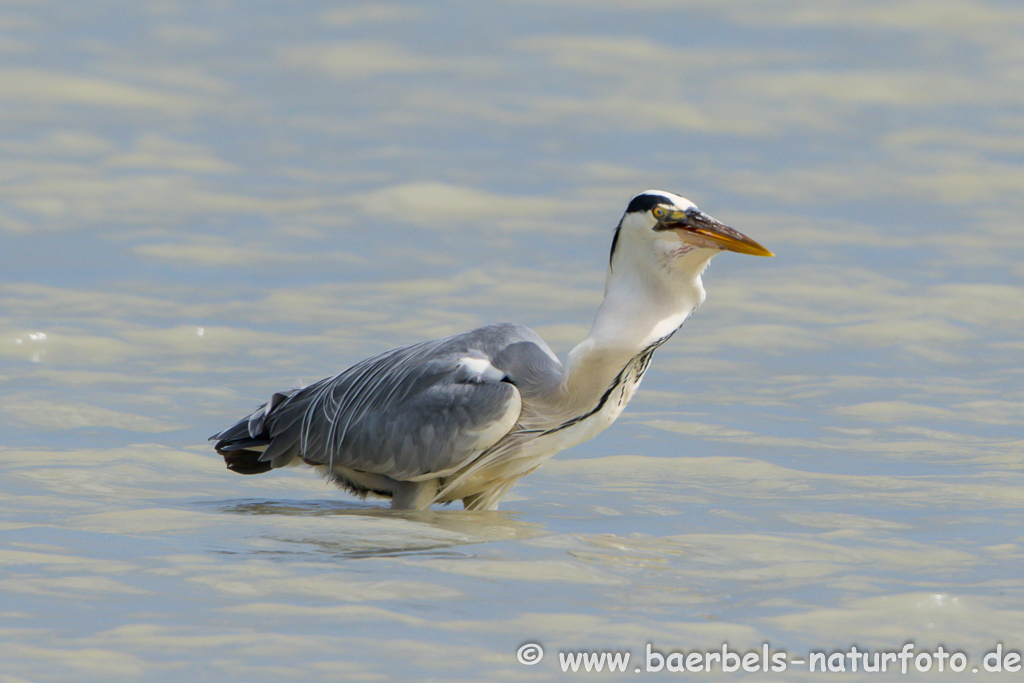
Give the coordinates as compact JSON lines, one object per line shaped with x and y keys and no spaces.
{"x":246,"y":462}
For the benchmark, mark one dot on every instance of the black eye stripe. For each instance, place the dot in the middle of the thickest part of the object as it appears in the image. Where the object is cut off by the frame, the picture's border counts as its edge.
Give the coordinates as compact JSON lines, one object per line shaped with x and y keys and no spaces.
{"x":646,"y":202}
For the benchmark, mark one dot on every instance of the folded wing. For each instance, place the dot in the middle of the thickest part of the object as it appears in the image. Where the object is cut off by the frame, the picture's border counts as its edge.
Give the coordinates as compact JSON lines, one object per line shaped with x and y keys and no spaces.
{"x":416,"y":412}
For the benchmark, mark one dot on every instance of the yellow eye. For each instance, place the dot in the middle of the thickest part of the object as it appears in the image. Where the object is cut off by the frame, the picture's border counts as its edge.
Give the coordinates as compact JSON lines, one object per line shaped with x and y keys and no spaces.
{"x":659,"y":212}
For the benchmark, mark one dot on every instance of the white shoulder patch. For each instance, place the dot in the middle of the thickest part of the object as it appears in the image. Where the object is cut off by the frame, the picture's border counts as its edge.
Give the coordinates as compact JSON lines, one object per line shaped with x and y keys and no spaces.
{"x":482,"y":368}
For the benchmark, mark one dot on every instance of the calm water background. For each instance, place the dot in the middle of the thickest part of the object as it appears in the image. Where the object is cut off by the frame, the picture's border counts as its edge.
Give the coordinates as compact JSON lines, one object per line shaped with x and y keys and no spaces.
{"x":202,"y":203}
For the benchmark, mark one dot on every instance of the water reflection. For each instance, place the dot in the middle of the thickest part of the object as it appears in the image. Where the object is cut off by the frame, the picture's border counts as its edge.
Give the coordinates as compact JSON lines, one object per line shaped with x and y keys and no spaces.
{"x":359,"y":531}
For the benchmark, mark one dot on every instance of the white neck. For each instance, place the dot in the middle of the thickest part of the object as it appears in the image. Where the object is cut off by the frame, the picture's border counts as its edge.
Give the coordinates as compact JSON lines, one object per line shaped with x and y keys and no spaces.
{"x":643,"y":304}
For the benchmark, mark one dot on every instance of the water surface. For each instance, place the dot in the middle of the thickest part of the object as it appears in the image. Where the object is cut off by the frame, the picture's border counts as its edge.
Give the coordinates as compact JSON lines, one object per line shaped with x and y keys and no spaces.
{"x":201,"y":204}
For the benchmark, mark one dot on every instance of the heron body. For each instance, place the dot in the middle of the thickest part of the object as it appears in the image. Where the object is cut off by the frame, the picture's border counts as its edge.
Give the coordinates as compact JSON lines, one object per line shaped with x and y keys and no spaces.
{"x":464,"y":417}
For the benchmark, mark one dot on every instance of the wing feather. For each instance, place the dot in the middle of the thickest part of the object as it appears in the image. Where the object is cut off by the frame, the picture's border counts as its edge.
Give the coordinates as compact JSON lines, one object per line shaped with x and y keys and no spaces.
{"x":409,"y":413}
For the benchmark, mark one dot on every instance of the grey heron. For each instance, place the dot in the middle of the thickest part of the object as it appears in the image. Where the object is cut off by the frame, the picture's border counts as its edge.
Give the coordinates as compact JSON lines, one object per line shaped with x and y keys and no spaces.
{"x":464,"y":417}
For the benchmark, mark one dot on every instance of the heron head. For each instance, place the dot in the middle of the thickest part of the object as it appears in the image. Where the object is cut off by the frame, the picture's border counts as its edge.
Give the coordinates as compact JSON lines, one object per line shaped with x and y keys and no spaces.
{"x":671,"y":227}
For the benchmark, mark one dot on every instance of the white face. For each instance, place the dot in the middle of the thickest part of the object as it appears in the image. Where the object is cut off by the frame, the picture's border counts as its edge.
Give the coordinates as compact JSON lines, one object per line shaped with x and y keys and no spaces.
{"x":669,"y":249}
{"x":663,"y":240}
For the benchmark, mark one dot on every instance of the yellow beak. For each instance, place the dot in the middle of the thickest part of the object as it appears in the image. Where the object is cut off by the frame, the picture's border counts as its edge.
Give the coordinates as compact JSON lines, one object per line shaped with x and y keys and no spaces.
{"x":706,"y":229}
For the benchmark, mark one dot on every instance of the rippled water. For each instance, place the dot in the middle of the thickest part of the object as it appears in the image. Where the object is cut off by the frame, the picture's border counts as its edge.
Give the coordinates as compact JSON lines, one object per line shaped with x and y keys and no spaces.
{"x":201,"y":204}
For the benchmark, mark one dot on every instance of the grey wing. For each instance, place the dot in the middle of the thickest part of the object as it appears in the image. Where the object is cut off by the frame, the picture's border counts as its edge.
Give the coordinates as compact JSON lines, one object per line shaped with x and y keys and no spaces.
{"x":419,"y":411}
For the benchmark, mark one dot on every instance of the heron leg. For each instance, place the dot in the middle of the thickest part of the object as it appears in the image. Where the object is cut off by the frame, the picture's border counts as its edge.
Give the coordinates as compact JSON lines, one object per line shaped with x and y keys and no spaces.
{"x":414,"y":495}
